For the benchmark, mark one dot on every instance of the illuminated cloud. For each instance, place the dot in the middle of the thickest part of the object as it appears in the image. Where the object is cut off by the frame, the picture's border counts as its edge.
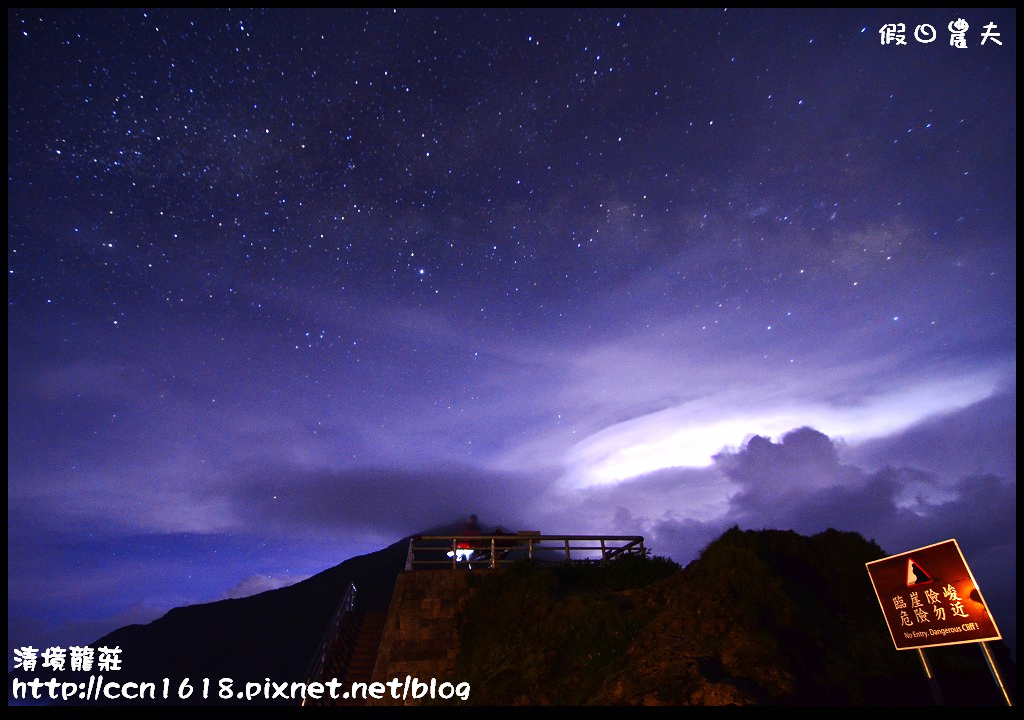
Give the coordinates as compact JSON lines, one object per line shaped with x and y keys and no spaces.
{"x":691,"y":434}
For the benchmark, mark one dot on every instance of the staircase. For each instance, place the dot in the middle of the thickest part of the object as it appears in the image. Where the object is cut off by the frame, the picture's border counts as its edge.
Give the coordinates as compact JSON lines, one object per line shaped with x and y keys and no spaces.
{"x":348,"y":651}
{"x":365,"y":631}
{"x":364,"y":651}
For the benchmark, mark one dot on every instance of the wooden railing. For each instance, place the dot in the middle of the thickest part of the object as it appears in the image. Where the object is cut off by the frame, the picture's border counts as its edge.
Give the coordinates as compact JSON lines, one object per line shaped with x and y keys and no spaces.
{"x":438,"y":552}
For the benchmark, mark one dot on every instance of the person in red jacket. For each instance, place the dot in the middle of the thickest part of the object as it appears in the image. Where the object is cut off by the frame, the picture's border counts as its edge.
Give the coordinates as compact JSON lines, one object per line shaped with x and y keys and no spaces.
{"x":466,"y":547}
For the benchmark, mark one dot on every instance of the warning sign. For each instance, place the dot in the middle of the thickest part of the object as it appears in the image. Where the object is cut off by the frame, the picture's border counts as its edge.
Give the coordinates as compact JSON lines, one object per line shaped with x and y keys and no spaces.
{"x":929,"y":597}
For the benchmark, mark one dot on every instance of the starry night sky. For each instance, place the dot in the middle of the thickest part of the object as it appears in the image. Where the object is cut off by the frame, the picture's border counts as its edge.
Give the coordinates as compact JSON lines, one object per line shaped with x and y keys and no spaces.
{"x":286,"y":286}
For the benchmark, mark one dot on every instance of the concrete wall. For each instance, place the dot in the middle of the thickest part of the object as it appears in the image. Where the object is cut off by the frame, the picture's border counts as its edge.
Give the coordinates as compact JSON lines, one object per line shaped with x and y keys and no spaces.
{"x":420,"y":636}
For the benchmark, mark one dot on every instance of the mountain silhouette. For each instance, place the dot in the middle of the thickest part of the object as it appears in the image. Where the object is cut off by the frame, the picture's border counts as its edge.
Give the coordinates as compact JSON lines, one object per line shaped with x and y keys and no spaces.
{"x":761,"y":617}
{"x":273,"y":635}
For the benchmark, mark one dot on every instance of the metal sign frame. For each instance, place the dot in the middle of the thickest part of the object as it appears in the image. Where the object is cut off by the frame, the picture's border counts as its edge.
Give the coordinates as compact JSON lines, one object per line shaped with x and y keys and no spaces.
{"x":930,"y":598}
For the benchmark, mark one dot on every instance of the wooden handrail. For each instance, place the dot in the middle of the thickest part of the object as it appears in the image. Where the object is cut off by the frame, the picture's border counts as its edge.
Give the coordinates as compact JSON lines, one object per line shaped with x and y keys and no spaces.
{"x":442,"y":551}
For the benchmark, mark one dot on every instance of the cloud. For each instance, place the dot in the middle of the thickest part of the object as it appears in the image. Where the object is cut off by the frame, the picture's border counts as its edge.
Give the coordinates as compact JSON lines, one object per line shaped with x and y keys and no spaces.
{"x":379,"y":501}
{"x":636,"y":505}
{"x":690,"y":434}
{"x":801,"y":482}
{"x":978,"y":439}
{"x":256,"y":584}
{"x":804,"y":459}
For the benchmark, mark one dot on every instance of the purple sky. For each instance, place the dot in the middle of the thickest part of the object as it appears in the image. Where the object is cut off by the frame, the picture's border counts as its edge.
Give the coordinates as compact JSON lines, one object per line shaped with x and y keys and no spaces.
{"x":286,"y":286}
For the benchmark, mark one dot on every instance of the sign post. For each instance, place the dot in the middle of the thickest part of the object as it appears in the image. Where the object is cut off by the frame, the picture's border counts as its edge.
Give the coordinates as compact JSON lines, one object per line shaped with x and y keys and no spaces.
{"x":929,"y":598}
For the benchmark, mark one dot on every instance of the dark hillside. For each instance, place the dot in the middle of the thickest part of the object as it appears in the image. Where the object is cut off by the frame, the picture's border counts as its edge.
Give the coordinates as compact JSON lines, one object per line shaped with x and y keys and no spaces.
{"x":274,"y":634}
{"x":760,"y":618}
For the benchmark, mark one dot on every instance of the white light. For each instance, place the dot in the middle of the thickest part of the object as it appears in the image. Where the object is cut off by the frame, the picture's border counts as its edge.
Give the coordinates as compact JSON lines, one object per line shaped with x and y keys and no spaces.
{"x":690,"y":435}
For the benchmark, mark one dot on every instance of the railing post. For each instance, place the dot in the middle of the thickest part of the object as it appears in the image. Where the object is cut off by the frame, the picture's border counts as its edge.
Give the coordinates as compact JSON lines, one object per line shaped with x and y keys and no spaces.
{"x":609,"y":547}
